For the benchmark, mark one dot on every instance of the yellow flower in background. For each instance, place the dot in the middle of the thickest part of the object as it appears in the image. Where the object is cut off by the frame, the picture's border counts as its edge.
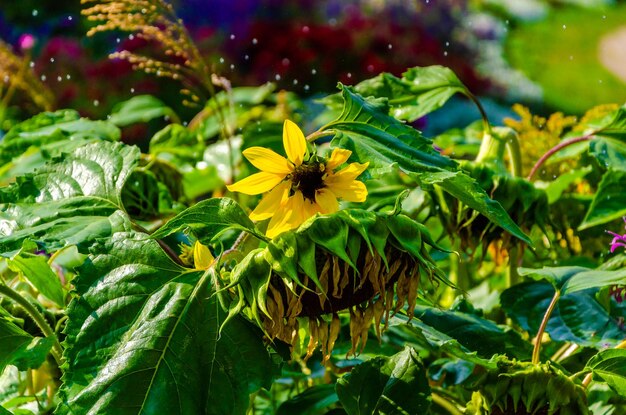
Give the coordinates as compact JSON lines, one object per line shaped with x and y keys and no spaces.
{"x":298,"y":187}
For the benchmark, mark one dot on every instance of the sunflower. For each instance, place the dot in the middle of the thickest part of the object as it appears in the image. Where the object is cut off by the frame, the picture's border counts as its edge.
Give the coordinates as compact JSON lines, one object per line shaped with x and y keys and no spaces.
{"x":300,"y":185}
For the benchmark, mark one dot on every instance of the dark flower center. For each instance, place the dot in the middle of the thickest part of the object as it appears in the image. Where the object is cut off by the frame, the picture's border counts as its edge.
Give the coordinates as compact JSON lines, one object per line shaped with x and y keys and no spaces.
{"x":308,"y":178}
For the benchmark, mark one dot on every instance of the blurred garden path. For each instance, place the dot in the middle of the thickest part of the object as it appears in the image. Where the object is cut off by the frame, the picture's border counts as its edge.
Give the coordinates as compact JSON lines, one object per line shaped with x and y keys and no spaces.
{"x":612,"y":52}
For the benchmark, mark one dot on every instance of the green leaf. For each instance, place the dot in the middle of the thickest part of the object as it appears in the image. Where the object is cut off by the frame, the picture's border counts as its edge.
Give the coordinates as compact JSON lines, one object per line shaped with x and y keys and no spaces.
{"x":577,"y":318}
{"x":555,"y":189}
{"x":467,"y":191}
{"x":610,"y":366}
{"x":20,"y":348}
{"x":572,"y":279}
{"x":310,"y":402}
{"x":138,"y":109}
{"x":432,"y":87}
{"x":373,"y":136}
{"x":557,"y":276}
{"x":143,"y":337}
{"x":74,"y":198}
{"x":471,"y":331}
{"x":37,"y":271}
{"x":609,"y":142}
{"x":386,"y":386}
{"x":609,"y":202}
{"x":208,"y":219}
{"x":176,"y":142}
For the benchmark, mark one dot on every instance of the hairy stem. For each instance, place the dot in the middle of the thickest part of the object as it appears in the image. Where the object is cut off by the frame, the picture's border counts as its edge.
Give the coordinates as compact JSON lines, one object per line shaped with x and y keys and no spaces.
{"x":542,"y":327}
{"x":38,"y":318}
{"x":554,"y":150}
{"x":319,"y":134}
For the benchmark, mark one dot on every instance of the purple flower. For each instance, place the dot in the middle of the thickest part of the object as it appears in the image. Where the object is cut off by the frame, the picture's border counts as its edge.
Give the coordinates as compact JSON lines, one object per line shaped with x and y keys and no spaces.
{"x":618,"y":240}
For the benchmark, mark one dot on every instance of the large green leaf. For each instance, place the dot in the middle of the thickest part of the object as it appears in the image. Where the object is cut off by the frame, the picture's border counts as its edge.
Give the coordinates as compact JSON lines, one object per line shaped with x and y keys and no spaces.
{"x":386,"y":386}
{"x":30,"y":144}
{"x":375,"y":137}
{"x":208,"y":219}
{"x":141,"y":108}
{"x":577,"y":318}
{"x":144,"y":337}
{"x":74,"y":198}
{"x":608,"y":144}
{"x":609,"y":202}
{"x":610,"y":366}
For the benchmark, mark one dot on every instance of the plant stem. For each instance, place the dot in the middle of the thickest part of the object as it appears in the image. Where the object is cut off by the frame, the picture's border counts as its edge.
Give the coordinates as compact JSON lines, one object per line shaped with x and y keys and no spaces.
{"x":554,"y":150}
{"x":446,"y":404}
{"x":587,"y":379}
{"x":483,"y":114}
{"x":38,"y":318}
{"x":515,"y":154}
{"x":319,"y":134}
{"x":542,"y":328}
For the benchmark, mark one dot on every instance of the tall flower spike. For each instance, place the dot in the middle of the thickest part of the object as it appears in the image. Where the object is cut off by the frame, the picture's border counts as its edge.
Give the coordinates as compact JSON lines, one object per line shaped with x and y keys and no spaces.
{"x":301,"y":185}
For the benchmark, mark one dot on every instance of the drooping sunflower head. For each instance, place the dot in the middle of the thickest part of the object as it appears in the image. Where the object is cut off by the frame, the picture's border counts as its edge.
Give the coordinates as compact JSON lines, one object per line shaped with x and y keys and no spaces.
{"x":301,"y":185}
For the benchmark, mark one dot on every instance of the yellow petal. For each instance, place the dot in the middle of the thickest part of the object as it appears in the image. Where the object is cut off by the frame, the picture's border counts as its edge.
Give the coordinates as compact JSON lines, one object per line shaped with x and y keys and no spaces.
{"x":354,"y":191}
{"x":268,"y":161}
{"x":310,"y":209}
{"x":326,"y":200}
{"x":337,"y":158}
{"x":347,"y":174}
{"x":202,"y":257}
{"x":294,"y":142}
{"x":271,"y":202}
{"x":257,"y":183}
{"x":280,"y":221}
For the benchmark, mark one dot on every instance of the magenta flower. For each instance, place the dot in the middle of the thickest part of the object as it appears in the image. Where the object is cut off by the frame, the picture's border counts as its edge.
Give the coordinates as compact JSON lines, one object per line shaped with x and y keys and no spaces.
{"x":618,"y":240}
{"x":26,"y":41}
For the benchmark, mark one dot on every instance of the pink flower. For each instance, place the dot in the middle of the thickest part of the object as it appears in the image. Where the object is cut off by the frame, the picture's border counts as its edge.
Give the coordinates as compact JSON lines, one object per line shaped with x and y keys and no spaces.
{"x":26,"y":41}
{"x":618,"y":240}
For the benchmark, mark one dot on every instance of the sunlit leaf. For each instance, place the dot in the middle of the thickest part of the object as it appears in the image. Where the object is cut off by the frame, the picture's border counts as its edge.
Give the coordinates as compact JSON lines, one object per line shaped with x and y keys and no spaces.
{"x":610,"y":366}
{"x":141,"y":108}
{"x":144,"y":337}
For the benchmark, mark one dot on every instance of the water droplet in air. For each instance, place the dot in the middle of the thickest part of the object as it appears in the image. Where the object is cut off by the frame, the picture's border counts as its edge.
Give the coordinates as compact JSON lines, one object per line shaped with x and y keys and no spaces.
{"x":96,"y":102}
{"x":232,"y":37}
{"x":32,"y":64}
{"x":295,"y":82}
{"x":445,"y":53}
{"x":246,"y":57}
{"x":285,"y":62}
{"x":69,"y":18}
{"x":564,"y":27}
{"x":43,"y":77}
{"x":68,"y":76}
{"x":232,"y":66}
{"x":221,"y":60}
{"x":255,"y":41}
{"x":306,"y":87}
{"x":313,"y":71}
{"x":349,"y":75}
{"x":132,"y":90}
{"x":390,"y":46}
{"x":59,"y":78}
{"x":131,"y":37}
{"x":35,"y":12}
{"x":277,"y":77}
{"x":51,"y":60}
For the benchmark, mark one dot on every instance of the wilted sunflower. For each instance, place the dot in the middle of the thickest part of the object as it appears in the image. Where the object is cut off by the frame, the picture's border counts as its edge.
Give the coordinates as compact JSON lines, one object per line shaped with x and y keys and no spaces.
{"x":300,"y":185}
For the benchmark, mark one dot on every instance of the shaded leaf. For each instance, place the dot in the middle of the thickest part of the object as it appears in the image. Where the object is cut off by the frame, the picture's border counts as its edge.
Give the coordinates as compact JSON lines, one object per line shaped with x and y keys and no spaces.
{"x":577,"y":317}
{"x":37,"y":271}
{"x":20,"y":348}
{"x":314,"y":400}
{"x":385,"y":386}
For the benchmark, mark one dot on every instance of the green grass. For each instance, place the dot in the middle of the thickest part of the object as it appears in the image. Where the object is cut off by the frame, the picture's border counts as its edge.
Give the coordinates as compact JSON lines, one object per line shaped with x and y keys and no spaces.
{"x":560,"y":53}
